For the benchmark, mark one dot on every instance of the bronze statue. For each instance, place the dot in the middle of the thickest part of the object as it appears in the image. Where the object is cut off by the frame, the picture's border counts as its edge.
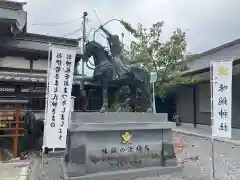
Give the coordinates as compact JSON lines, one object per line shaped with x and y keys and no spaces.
{"x":111,"y":71}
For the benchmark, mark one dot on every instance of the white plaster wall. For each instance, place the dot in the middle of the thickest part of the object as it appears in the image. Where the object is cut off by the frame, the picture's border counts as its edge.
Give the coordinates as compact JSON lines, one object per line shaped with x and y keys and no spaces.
{"x":14,"y":62}
{"x":22,"y":63}
{"x":40,"y":64}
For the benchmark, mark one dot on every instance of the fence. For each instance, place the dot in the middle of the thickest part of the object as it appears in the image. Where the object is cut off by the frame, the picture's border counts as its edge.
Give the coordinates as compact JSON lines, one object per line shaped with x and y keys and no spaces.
{"x":11,"y":126}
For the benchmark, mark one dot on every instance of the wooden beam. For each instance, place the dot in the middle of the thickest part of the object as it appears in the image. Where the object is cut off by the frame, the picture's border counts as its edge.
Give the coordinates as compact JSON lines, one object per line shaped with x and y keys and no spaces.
{"x":22,"y":95}
{"x":11,"y":135}
{"x":15,"y":138}
{"x":24,"y":84}
{"x":20,"y":122}
{"x":11,"y":129}
{"x":10,"y":69}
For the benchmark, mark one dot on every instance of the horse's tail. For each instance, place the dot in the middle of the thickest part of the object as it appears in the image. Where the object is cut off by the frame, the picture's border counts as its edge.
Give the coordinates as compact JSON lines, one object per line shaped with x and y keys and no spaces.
{"x":148,"y":78}
{"x":140,"y":74}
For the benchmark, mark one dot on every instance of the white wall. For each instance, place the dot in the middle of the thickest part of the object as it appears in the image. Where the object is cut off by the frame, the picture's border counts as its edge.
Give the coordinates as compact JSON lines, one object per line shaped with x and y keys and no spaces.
{"x":40,"y":64}
{"x":14,"y":62}
{"x":22,"y":63}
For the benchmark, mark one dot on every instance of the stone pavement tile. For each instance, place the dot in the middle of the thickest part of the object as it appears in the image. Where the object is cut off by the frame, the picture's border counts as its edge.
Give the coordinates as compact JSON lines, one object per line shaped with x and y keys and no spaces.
{"x":205,"y":132}
{"x":226,"y":157}
{"x":13,"y":171}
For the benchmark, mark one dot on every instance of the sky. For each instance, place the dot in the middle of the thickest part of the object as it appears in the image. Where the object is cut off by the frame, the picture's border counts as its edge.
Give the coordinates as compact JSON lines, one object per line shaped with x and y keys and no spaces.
{"x":208,"y":23}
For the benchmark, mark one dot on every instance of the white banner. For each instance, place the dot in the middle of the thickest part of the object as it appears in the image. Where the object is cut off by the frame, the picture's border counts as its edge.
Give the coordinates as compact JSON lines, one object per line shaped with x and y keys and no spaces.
{"x":222,"y":98}
{"x":59,"y":97}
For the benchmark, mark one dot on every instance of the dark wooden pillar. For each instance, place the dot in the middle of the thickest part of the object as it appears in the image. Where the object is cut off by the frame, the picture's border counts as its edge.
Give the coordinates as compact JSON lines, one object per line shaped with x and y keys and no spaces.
{"x":16,"y":138}
{"x":31,"y":65}
{"x":77,"y":60}
{"x":194,"y":106}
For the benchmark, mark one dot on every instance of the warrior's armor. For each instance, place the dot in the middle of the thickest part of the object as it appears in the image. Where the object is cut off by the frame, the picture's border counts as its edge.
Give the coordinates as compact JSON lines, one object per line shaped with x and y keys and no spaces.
{"x":115,"y":48}
{"x":114,"y":42}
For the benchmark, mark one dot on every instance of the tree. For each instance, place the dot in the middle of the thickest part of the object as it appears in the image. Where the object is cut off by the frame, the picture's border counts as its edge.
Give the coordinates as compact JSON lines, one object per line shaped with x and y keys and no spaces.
{"x":167,"y":59}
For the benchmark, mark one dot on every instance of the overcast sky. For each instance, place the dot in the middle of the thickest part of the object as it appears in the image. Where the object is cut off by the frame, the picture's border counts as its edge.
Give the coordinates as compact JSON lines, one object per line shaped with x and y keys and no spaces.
{"x":208,"y":23}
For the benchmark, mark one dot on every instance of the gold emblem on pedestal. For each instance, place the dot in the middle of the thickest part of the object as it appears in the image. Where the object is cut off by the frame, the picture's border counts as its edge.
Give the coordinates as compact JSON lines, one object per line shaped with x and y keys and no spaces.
{"x":126,"y":138}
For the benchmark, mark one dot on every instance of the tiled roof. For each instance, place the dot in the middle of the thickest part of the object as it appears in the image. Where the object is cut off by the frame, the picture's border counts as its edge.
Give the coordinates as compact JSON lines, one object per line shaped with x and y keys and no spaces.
{"x":229,"y":50}
{"x":36,"y":42}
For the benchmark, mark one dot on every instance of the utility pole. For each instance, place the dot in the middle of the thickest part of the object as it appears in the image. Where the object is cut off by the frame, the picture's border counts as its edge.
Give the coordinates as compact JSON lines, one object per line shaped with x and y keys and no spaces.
{"x":83,"y":48}
{"x":153,"y":79}
{"x":122,"y":46}
{"x":133,"y":52}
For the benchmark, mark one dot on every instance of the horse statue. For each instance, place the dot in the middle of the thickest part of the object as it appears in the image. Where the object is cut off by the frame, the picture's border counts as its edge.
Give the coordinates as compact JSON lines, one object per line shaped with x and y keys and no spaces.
{"x":111,"y":71}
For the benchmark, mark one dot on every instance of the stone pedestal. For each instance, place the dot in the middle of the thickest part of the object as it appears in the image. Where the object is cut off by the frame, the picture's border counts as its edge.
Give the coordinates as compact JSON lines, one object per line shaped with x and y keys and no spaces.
{"x":119,"y":146}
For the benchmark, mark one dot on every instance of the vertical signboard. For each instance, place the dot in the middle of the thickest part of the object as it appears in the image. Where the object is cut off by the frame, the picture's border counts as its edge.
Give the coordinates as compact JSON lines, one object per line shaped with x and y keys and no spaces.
{"x":222,"y":98}
{"x":59,"y":97}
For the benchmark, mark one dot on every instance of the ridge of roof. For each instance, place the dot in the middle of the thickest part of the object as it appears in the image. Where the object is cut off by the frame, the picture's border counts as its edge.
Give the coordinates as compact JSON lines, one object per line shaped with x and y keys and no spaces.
{"x":47,"y":39}
{"x":14,"y":2}
{"x":218,"y":48}
{"x":8,"y":4}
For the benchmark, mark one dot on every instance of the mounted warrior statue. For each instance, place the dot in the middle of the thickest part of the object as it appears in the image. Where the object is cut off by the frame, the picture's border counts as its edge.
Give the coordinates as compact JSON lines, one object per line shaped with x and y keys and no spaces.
{"x":111,"y":71}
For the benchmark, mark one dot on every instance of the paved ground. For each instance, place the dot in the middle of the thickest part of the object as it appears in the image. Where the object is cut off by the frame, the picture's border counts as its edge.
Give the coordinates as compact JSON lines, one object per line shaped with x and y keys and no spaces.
{"x":196,"y":156}
{"x":52,"y":171}
{"x":205,"y":130}
{"x":13,"y":171}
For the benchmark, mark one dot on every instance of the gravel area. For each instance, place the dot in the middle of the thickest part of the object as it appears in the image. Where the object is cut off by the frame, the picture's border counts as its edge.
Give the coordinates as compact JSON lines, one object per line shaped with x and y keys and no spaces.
{"x":195,"y":154}
{"x":226,"y":157}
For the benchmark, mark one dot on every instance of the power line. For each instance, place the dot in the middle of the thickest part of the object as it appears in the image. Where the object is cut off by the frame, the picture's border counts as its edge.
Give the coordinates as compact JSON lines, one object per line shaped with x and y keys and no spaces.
{"x":60,"y":23}
{"x":73,"y":32}
{"x":79,"y":29}
{"x":56,"y":23}
{"x":29,"y":1}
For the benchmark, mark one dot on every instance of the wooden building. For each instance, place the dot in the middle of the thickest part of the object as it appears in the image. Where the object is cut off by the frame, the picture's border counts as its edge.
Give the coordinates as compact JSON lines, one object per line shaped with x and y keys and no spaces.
{"x":193,"y":101}
{"x":23,"y":68}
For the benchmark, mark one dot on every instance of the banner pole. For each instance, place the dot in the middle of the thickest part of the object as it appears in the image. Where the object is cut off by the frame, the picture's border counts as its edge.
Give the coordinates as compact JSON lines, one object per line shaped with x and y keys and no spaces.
{"x":154,"y":100}
{"x":46,"y":105}
{"x":47,"y":88}
{"x":213,"y":159}
{"x":212,"y":120}
{"x":42,"y":163}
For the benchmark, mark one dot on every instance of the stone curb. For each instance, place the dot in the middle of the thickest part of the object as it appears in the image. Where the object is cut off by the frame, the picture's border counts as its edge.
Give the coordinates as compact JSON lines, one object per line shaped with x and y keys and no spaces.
{"x":24,"y":173}
{"x":228,"y":141}
{"x":16,"y":163}
{"x":26,"y":166}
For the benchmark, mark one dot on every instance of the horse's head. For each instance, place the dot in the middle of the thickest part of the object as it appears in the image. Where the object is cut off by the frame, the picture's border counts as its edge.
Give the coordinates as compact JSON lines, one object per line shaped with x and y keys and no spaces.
{"x":95,"y":50}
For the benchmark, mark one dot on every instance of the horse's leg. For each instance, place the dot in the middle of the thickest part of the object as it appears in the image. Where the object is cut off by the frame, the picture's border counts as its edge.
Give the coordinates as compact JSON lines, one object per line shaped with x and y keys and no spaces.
{"x":150,"y":98}
{"x":146,"y":88}
{"x":130,"y":100}
{"x":121,"y":104}
{"x":105,"y":99}
{"x":133,"y":94}
{"x":124,"y":99}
